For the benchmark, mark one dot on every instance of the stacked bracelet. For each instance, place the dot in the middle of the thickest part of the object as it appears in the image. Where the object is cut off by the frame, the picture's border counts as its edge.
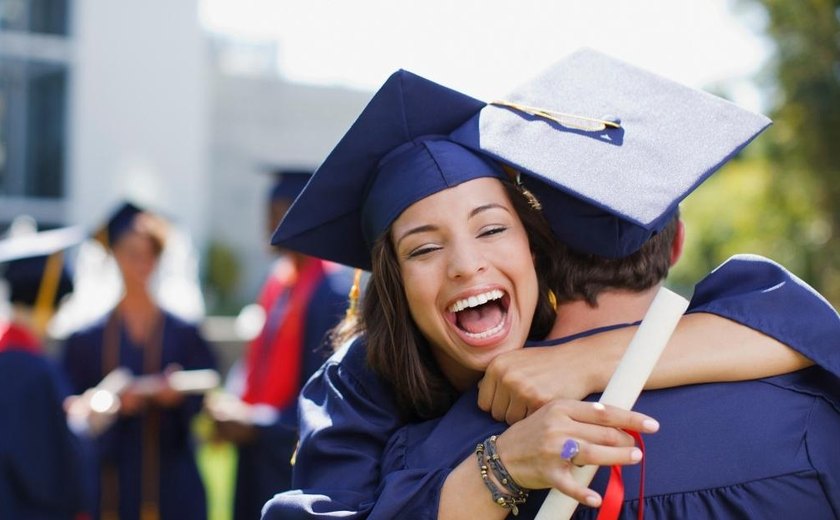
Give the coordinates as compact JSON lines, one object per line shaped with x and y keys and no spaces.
{"x":488,"y":460}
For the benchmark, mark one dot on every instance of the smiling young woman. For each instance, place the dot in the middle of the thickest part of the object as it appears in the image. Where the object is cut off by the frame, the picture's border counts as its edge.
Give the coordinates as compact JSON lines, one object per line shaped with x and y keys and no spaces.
{"x":479,"y":238}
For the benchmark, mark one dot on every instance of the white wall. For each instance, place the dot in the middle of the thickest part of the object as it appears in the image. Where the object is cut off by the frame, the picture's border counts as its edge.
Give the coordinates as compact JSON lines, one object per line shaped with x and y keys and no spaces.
{"x":151,"y":119}
{"x":139,"y":110}
{"x":261,"y":123}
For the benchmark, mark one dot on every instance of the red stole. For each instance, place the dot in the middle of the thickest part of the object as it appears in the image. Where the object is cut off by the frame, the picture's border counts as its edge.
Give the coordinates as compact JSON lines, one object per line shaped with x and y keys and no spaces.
{"x":274,"y":357}
{"x":15,"y":337}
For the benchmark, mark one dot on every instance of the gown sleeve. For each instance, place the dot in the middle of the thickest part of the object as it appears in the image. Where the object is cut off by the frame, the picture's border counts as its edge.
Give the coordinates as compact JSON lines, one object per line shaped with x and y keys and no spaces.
{"x":47,"y":463}
{"x":420,"y":456}
{"x":192,"y":352}
{"x":347,"y":415}
{"x":761,"y":294}
{"x":81,"y":359}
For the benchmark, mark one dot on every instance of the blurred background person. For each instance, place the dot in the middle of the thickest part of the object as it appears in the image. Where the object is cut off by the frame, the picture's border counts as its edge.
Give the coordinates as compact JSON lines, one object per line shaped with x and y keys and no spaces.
{"x":302,"y":299}
{"x":146,"y":459}
{"x":41,"y":462}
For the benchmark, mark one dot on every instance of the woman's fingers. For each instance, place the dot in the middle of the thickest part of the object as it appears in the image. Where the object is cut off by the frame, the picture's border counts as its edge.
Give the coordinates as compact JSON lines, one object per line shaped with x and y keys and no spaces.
{"x":599,"y":414}
{"x":516,"y":411}
{"x":599,"y":455}
{"x":567,"y":485}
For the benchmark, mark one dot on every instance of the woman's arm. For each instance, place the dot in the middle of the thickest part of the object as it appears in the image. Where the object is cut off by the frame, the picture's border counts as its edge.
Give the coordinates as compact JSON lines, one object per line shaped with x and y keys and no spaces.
{"x":778,"y":324}
{"x":347,"y":416}
{"x":705,"y":348}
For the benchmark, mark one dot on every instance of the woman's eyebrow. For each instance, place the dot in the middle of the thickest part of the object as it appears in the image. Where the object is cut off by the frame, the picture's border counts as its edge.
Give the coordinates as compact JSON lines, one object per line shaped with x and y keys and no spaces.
{"x":413,"y":231}
{"x":485,"y":207}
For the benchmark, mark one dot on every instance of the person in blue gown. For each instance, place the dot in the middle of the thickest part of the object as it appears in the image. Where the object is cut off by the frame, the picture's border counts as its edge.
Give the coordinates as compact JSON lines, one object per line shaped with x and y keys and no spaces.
{"x":347,"y":416}
{"x":41,"y":461}
{"x":303,"y":299}
{"x":749,"y":449}
{"x":145,"y":461}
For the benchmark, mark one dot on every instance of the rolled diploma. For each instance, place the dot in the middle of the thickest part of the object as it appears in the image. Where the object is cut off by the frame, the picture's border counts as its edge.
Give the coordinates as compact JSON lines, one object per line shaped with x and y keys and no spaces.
{"x":626,"y":384}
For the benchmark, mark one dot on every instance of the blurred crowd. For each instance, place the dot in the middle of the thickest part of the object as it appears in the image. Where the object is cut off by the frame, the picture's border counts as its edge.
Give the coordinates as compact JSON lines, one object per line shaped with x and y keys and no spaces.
{"x":105,"y":376}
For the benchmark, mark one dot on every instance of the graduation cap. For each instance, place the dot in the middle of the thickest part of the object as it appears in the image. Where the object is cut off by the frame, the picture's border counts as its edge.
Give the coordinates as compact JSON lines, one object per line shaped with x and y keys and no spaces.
{"x":33,"y":267}
{"x":288,"y":183}
{"x":611,"y":149}
{"x":123,"y":219}
{"x":119,"y":222}
{"x":393,"y":155}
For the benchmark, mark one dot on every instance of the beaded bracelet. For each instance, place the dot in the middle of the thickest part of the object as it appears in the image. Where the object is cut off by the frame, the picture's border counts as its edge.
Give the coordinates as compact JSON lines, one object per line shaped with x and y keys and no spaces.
{"x":499,"y":469}
{"x":506,"y":501}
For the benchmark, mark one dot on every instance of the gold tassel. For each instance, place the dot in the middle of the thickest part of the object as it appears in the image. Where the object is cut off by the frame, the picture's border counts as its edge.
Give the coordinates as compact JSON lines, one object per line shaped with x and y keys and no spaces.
{"x":355,"y":290}
{"x":47,"y":291}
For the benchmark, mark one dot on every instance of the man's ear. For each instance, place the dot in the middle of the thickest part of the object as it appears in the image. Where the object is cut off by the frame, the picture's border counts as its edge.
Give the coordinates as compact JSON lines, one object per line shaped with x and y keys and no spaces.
{"x":679,"y":241}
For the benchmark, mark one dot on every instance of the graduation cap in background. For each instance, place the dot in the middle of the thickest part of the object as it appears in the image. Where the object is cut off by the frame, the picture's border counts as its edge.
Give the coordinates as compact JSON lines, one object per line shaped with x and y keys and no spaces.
{"x":122,"y":220}
{"x":393,"y":155}
{"x":609,"y":149}
{"x":119,"y":222}
{"x":33,"y":266}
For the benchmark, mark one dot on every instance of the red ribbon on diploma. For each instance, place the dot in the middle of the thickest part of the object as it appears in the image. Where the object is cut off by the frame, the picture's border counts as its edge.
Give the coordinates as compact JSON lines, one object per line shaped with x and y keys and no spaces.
{"x":614,"y":495}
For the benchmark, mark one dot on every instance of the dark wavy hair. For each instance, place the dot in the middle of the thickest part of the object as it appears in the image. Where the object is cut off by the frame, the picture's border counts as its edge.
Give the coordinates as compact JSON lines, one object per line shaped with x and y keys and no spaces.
{"x":397,"y":350}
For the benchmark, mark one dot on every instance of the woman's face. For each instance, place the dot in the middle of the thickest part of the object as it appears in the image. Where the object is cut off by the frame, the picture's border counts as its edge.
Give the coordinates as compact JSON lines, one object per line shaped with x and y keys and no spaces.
{"x":469,"y":275}
{"x":136,"y":257}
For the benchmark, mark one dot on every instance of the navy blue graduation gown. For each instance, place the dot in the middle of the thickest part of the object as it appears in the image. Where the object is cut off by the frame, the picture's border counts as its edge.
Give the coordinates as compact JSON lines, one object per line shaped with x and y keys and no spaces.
{"x":264,"y":465}
{"x":349,"y":472}
{"x":41,"y":462}
{"x":181,"y":492}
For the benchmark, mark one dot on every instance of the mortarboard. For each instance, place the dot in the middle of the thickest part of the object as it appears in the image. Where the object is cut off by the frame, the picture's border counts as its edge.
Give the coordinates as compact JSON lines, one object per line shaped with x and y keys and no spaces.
{"x":120,"y":222}
{"x":34,"y":270}
{"x":127,"y":217}
{"x":288,"y":183}
{"x":393,"y":155}
{"x":614,"y":148}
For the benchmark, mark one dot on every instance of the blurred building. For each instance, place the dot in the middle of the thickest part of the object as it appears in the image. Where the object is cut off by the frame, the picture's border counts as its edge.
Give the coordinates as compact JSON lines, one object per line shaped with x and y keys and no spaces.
{"x":101,"y":100}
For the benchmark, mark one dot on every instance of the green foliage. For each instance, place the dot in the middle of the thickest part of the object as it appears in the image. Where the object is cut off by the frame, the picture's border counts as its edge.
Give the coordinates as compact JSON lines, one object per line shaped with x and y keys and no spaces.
{"x":746,"y":208}
{"x":217,"y":466}
{"x":806,"y":68}
{"x":783,"y":202}
{"x":221,"y":276}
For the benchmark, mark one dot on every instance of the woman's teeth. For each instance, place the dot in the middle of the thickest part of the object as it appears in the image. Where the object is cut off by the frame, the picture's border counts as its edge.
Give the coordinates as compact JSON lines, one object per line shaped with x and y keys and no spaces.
{"x":475,"y":301}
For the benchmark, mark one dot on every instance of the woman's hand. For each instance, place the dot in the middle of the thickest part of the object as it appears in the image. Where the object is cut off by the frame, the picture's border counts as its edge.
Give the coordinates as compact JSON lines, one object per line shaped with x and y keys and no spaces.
{"x":518,"y":383}
{"x":531,"y":449}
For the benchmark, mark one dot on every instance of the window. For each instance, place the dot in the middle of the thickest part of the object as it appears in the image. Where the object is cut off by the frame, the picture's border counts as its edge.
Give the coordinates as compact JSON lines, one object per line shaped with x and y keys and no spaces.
{"x":33,"y":108}
{"x":32,"y":122}
{"x":36,"y":16}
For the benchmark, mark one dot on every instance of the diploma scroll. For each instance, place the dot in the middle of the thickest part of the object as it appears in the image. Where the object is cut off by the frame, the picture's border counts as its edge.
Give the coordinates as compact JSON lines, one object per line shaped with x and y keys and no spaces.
{"x":626,"y":383}
{"x":96,"y":410}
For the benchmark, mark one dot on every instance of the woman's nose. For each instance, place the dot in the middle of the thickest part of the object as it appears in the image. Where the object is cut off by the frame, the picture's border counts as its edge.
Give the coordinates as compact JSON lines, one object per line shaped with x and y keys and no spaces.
{"x":466,"y":261}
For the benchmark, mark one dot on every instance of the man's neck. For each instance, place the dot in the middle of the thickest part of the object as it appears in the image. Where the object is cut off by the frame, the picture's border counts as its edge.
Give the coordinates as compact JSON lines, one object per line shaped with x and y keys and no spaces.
{"x":613,"y":308}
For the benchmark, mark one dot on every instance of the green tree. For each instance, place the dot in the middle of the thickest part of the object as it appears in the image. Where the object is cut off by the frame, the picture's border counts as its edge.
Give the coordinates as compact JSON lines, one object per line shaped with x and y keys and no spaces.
{"x":780,"y":198}
{"x":804,"y":148}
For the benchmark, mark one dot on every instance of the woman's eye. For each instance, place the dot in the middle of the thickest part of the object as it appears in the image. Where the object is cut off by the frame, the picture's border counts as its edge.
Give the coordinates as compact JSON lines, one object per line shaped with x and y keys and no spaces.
{"x":420,"y":251}
{"x":495,"y":230}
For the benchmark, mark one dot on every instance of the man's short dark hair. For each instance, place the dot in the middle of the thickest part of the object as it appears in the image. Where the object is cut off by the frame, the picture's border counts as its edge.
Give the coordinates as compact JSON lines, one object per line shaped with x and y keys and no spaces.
{"x":584,"y":276}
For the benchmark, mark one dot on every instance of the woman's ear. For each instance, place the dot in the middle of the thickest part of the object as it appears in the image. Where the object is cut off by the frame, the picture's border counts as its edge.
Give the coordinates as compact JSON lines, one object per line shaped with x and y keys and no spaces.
{"x":677,"y":244}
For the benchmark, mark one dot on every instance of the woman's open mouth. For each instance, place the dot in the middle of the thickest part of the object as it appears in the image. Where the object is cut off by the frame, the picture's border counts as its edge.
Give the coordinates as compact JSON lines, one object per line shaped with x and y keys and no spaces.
{"x":480,"y":318}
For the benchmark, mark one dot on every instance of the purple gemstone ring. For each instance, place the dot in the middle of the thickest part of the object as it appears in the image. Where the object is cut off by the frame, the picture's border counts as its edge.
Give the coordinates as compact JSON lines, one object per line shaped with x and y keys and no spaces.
{"x":570,"y":448}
